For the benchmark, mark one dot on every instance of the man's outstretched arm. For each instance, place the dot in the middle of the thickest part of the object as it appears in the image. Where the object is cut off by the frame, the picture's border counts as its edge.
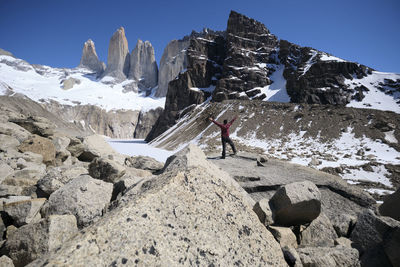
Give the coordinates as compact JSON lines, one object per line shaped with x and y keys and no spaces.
{"x":215,"y":122}
{"x":232,"y":120}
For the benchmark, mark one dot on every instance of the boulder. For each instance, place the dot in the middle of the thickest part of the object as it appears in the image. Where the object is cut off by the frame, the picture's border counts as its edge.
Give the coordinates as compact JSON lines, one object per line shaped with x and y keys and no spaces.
{"x":10,"y":190}
{"x":84,"y":197}
{"x":89,"y":58}
{"x":14,"y":130}
{"x":5,"y":170}
{"x":106,"y":170}
{"x":75,"y":147}
{"x":320,"y":233}
{"x":40,"y":145}
{"x":263,"y":211}
{"x":32,"y":157}
{"x":144,"y":163}
{"x":343,"y":241}
{"x":291,"y":256}
{"x":8,"y":142}
{"x":390,"y":206}
{"x":344,"y":224}
{"x":6,"y":261}
{"x":391,"y":245}
{"x":192,"y":215}
{"x":370,"y":235}
{"x":284,"y":236}
{"x":25,"y":211}
{"x":56,"y":177}
{"x":32,"y":241}
{"x":70,"y":82}
{"x":328,"y":256}
{"x":143,"y":65}
{"x":26,"y":177}
{"x":95,"y":146}
{"x":296,"y":203}
{"x":118,"y":56}
{"x":36,"y":125}
{"x":61,"y":143}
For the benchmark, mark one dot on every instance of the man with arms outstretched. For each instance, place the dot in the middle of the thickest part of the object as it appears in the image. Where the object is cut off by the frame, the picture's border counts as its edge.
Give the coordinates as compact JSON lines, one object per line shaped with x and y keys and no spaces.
{"x":225,"y":135}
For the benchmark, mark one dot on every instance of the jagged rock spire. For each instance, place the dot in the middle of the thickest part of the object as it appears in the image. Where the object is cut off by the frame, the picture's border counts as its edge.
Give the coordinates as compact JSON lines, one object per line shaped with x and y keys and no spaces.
{"x":118,"y":56}
{"x":143,"y":65}
{"x":89,"y":58}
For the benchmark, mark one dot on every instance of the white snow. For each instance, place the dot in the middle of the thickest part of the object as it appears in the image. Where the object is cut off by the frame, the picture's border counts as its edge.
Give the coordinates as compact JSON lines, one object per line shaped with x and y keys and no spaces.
{"x":389,"y":136}
{"x":327,"y":57}
{"x":277,"y":90}
{"x":375,"y":98}
{"x":138,"y":147}
{"x":207,"y":89}
{"x":310,"y":62}
{"x":89,"y":91}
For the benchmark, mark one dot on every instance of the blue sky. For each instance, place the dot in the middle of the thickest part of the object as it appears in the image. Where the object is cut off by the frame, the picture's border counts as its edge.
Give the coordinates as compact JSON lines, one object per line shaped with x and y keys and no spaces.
{"x":52,"y":32}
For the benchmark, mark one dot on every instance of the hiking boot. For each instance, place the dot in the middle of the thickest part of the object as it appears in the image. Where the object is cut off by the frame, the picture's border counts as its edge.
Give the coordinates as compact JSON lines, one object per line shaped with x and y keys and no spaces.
{"x":222,"y":157}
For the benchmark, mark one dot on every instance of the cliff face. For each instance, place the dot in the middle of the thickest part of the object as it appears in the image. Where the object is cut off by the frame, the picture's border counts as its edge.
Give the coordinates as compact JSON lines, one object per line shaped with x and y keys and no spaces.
{"x":118,"y":56}
{"x":204,"y":56}
{"x":143,"y":66}
{"x":89,"y":58}
{"x":173,"y":61}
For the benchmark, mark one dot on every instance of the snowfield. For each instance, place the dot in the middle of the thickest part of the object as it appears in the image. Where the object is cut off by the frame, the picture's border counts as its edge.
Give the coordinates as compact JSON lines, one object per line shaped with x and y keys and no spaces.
{"x":24,"y":79}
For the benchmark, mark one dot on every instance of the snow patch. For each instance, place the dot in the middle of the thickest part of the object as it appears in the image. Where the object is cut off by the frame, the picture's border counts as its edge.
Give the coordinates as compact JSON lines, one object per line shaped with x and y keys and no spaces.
{"x":277,"y":90}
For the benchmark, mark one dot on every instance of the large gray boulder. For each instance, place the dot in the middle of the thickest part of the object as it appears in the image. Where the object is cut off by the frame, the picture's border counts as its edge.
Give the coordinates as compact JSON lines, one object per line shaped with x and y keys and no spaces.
{"x":144,"y":163}
{"x":377,"y":238}
{"x":143,"y":65}
{"x":94,"y":146}
{"x":284,"y":235}
{"x":84,"y":197}
{"x":89,"y":58}
{"x":173,"y":61}
{"x":329,"y":257}
{"x":12,"y":129}
{"x":118,"y":56}
{"x":25,"y":211}
{"x":263,"y":211}
{"x":106,"y":170}
{"x":8,"y":143}
{"x":36,"y":125}
{"x":390,"y":206}
{"x":6,"y":261}
{"x":57,"y":177}
{"x":40,"y":145}
{"x":320,"y":233}
{"x":296,"y":203}
{"x":5,"y":170}
{"x":32,"y":241}
{"x":195,"y":215}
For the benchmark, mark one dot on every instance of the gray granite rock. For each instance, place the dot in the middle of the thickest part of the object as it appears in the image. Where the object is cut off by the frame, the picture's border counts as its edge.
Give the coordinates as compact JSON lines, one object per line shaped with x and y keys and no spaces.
{"x":25,"y":211}
{"x":143,"y":65}
{"x":320,"y":233}
{"x":32,"y":241}
{"x":328,"y":257}
{"x":84,"y":197}
{"x":390,"y":206}
{"x":191,"y":215}
{"x":106,"y":170}
{"x":89,"y":58}
{"x":296,"y":203}
{"x":263,"y":211}
{"x":118,"y":56}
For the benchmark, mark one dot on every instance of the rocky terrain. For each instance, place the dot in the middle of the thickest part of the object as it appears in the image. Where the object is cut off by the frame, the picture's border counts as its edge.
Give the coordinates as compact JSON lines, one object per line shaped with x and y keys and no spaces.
{"x":360,"y":145}
{"x":68,"y":199}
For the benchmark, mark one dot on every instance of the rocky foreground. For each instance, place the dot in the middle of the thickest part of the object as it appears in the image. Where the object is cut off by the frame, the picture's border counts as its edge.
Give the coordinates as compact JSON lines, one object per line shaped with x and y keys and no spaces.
{"x":68,"y":199}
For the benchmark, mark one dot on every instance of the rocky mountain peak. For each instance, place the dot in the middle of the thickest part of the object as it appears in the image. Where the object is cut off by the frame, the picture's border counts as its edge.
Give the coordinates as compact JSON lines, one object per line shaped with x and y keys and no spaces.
{"x":118,"y":56}
{"x":239,"y":24}
{"x":143,"y":65}
{"x":89,"y":58}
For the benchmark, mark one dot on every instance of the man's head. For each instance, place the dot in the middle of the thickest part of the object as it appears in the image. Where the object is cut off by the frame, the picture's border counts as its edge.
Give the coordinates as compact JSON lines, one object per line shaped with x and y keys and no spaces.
{"x":225,"y":121}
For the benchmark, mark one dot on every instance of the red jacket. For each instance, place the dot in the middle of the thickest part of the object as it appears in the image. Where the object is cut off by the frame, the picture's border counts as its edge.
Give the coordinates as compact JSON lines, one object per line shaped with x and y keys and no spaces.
{"x":224,"y":127}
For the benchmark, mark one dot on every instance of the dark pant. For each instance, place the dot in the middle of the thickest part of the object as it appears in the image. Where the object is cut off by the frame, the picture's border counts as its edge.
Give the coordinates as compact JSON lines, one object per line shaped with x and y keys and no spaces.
{"x":229,"y":141}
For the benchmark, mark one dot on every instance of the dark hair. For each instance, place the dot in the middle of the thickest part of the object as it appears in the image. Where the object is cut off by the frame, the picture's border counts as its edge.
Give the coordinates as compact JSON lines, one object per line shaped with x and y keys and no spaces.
{"x":225,"y":121}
